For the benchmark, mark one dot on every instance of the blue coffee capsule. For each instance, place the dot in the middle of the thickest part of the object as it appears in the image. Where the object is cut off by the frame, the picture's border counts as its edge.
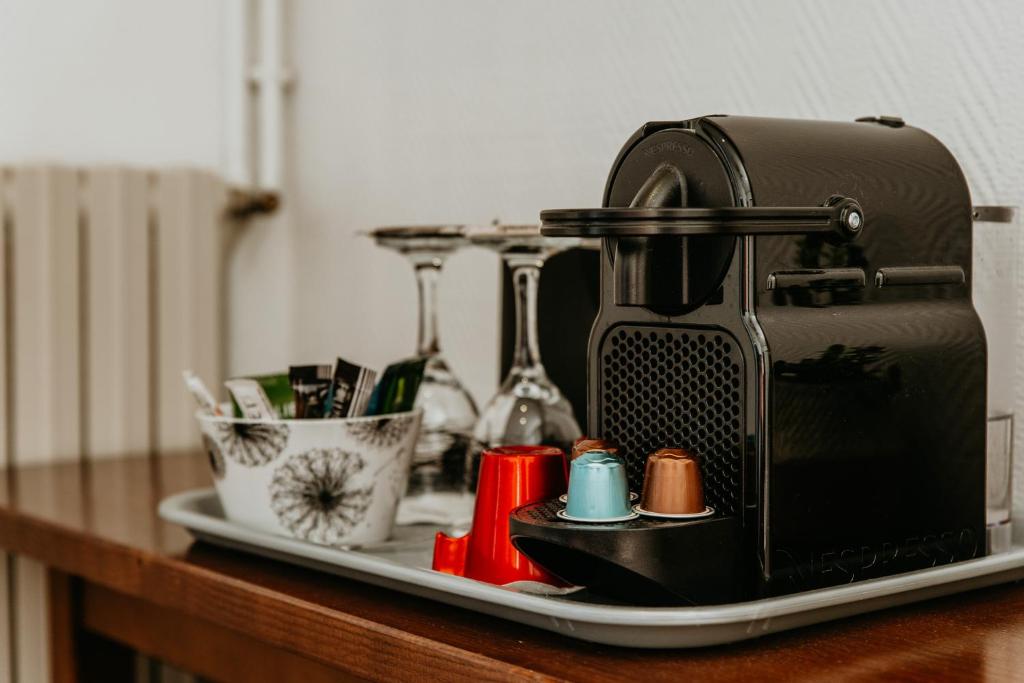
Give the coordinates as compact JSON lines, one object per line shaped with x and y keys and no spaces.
{"x":598,"y":490}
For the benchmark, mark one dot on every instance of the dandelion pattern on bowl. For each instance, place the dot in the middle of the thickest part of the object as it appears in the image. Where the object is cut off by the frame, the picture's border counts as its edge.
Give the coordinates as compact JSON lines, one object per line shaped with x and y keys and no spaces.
{"x":312,"y":479}
{"x":382,"y":432}
{"x":398,"y":477}
{"x":214,"y":455}
{"x":252,"y":443}
{"x":314,"y":496}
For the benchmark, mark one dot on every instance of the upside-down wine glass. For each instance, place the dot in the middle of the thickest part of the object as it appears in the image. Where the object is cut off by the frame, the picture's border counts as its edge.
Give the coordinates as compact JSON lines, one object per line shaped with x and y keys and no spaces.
{"x":528,"y":408}
{"x":437,"y":491}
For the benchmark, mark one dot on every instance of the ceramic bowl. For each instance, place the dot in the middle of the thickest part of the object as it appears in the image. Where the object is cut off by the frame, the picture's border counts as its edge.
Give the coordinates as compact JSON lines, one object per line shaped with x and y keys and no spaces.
{"x":335,"y":482}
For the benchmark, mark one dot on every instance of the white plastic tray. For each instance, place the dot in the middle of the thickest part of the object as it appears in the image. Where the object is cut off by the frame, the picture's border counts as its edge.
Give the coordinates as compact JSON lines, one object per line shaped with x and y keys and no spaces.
{"x":403,"y":565}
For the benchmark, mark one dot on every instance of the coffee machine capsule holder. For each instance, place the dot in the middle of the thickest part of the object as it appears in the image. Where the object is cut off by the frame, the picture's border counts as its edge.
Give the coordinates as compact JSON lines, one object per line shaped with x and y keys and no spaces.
{"x":620,"y":560}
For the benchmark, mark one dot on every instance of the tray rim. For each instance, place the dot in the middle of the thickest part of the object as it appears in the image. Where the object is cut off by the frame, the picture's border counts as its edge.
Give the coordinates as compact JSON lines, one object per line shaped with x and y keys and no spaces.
{"x":753,"y":618}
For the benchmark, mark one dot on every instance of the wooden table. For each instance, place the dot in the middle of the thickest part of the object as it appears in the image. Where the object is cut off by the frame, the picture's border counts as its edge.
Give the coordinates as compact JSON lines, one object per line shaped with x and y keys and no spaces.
{"x":122,"y":580}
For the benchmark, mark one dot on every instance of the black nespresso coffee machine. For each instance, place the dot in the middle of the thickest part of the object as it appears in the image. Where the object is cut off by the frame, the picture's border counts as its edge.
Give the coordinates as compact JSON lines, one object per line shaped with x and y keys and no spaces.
{"x":791,"y":300}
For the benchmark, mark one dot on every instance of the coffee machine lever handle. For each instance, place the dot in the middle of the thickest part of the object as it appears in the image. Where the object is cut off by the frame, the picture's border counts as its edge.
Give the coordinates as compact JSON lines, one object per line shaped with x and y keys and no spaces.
{"x":840,"y":216}
{"x":994,"y":214}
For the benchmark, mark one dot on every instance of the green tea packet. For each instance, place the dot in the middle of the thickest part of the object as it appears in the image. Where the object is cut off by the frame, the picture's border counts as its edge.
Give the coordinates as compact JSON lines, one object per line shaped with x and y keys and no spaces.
{"x":278,"y":390}
{"x":398,"y":386}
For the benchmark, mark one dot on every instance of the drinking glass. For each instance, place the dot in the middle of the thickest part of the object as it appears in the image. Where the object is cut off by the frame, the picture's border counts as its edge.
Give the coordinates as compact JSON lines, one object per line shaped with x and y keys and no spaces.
{"x":437,"y":482}
{"x":997,"y":280}
{"x":528,"y":408}
{"x":999,"y":482}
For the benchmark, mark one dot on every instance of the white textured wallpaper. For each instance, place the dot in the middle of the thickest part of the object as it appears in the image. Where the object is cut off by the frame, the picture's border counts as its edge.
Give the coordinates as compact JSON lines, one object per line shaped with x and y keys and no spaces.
{"x":466,"y":110}
{"x":136,"y":81}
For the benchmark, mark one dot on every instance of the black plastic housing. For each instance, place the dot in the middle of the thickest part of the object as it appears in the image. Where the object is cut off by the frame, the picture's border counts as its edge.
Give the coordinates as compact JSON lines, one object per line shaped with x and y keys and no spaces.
{"x":841,"y":419}
{"x":623,"y":561}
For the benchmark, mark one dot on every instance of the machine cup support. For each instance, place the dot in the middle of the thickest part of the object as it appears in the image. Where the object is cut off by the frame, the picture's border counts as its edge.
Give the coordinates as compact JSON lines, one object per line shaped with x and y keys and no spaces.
{"x":841,"y":216}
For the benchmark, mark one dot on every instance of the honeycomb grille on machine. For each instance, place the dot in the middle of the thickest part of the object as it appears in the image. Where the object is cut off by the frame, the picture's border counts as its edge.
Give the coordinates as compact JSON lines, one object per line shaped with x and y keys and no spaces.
{"x":676,"y":388}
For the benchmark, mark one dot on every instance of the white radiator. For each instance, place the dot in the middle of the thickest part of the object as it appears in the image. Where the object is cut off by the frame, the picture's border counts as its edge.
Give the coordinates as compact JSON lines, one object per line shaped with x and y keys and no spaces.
{"x":111,"y":285}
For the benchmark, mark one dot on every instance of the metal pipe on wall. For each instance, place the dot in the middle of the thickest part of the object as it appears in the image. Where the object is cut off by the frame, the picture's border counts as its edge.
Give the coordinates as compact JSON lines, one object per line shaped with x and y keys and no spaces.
{"x":255,"y":78}
{"x":237,"y":161}
{"x":272,"y":77}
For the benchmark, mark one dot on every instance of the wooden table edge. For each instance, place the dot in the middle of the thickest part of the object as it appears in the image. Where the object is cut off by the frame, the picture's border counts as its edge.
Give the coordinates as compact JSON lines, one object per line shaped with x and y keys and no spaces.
{"x":229,"y":602}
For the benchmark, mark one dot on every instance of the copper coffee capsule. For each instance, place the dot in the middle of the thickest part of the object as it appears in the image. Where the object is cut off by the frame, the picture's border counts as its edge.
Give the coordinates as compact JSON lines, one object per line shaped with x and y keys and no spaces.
{"x":584,"y":444}
{"x":672,"y":485}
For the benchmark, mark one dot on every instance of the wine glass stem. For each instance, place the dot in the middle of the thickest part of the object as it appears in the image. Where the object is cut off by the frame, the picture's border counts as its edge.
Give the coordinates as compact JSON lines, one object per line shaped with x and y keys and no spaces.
{"x":525,"y":280}
{"x":426,"y":281}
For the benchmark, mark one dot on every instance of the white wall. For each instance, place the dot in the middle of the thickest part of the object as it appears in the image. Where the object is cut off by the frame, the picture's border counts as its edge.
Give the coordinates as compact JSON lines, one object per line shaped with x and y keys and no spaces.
{"x":111,"y":81}
{"x":467,"y":110}
{"x":463,"y":110}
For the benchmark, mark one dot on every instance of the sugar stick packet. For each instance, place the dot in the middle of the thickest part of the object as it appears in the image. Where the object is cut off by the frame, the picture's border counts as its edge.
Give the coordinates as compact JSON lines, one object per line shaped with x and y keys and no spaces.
{"x":278,"y":390}
{"x":203,"y":397}
{"x":351,"y":389}
{"x":251,"y":400}
{"x":311,"y":385}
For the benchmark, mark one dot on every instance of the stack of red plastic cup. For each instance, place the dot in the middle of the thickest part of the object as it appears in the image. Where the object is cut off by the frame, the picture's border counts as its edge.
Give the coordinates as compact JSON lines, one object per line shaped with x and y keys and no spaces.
{"x":510,"y":477}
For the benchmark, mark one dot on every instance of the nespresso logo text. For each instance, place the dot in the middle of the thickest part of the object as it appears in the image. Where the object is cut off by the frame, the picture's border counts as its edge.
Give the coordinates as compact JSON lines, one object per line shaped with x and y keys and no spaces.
{"x":670,"y":146}
{"x":846,"y":564}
